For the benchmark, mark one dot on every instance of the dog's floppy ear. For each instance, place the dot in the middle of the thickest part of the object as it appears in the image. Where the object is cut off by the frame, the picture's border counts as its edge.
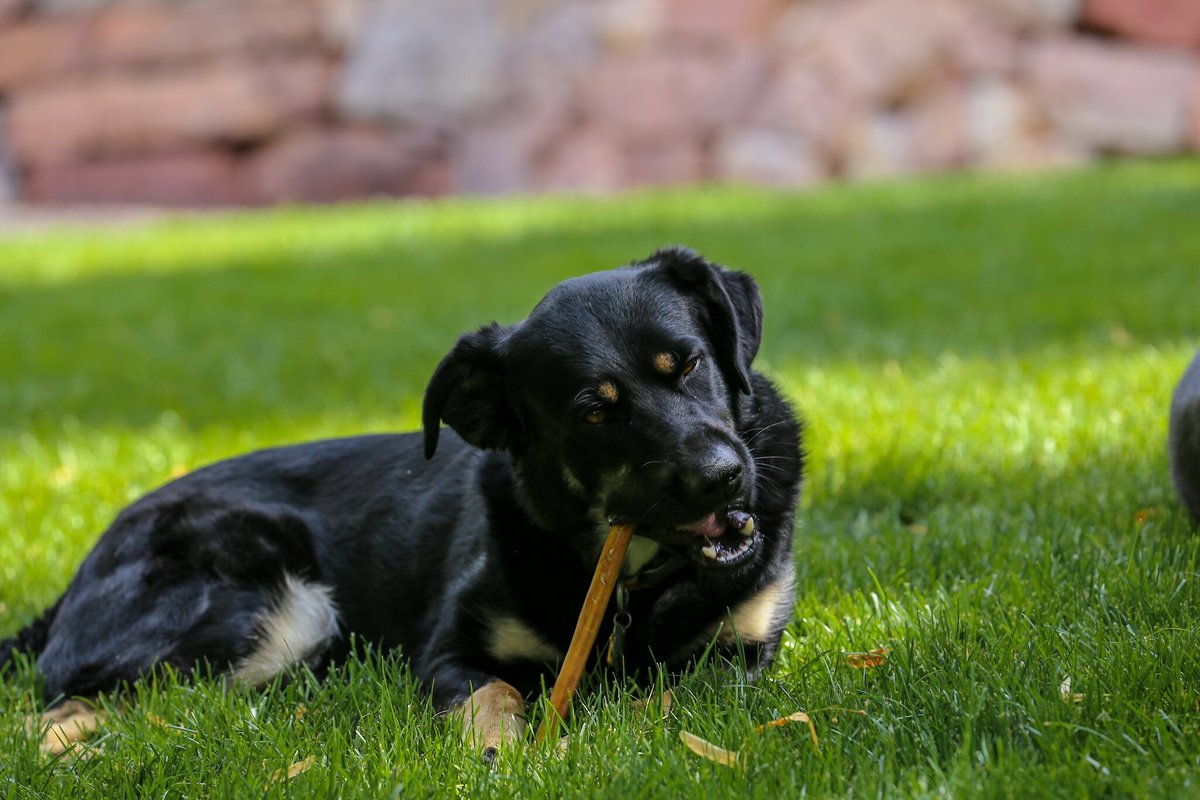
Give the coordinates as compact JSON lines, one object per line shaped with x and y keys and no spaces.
{"x":468,"y":391}
{"x":733,"y":305}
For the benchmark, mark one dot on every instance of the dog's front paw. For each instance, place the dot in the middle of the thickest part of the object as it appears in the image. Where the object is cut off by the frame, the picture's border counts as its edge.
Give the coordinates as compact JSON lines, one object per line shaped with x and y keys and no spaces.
{"x":63,"y":727}
{"x":491,"y":717}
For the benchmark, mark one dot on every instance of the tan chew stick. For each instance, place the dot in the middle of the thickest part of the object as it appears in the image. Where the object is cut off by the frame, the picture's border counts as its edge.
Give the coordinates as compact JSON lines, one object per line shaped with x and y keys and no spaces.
{"x":604,"y":581}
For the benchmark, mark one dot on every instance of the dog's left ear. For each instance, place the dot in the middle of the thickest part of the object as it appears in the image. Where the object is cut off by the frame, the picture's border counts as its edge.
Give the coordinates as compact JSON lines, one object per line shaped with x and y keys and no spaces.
{"x":468,"y":391}
{"x":733,"y":305}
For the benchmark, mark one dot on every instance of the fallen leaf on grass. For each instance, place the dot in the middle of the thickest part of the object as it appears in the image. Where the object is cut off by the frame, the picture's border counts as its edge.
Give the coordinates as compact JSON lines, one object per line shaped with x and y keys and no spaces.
{"x":156,"y":720}
{"x":1144,"y":515}
{"x":706,"y":749}
{"x":299,"y":767}
{"x":644,"y":704}
{"x":299,"y":713}
{"x":867,"y":660}
{"x":799,"y":716}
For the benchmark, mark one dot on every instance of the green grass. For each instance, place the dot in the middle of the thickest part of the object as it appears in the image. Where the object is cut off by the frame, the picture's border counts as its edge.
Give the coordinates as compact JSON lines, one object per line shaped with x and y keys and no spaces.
{"x":985,"y":364}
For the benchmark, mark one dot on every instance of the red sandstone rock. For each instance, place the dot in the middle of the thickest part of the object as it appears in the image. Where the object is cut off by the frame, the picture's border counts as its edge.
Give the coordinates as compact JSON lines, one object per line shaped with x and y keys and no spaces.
{"x":665,"y":163}
{"x":1194,"y":128}
{"x":584,"y":159}
{"x":1114,"y":97}
{"x":656,"y":96}
{"x":881,"y":51}
{"x":129,"y":36}
{"x":938,"y":125}
{"x":718,"y":22}
{"x":11,"y":10}
{"x":31,"y":50}
{"x":500,"y":157}
{"x":1166,"y":21}
{"x":1035,"y":14}
{"x":624,"y":25}
{"x":880,"y":146}
{"x":191,"y":179}
{"x":238,"y":102}
{"x":324,"y":166}
{"x":807,"y":103}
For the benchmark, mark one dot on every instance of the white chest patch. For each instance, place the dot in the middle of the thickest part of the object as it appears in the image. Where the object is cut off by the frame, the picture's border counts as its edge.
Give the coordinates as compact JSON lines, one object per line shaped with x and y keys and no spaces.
{"x":299,"y":627}
{"x":513,"y":640}
{"x":757,"y":618}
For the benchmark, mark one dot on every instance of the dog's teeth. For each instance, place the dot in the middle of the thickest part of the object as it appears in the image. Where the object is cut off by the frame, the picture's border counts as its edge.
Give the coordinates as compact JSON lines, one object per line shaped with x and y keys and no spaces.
{"x":709,"y":552}
{"x":747,"y":528}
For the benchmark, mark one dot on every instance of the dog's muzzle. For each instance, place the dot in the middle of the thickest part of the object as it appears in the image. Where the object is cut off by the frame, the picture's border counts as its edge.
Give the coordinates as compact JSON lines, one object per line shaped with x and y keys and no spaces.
{"x":720,"y":539}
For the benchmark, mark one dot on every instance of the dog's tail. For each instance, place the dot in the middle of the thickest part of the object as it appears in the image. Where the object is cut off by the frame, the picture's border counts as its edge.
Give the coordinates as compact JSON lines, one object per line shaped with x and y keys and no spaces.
{"x":30,"y":640}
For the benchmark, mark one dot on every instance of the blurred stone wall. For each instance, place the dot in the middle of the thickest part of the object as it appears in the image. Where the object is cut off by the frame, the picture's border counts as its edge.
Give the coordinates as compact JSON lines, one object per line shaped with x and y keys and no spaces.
{"x":216,"y":102}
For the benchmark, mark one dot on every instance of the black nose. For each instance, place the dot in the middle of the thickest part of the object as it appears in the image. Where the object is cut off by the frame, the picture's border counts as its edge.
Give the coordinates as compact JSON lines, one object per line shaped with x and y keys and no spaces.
{"x":717,"y":482}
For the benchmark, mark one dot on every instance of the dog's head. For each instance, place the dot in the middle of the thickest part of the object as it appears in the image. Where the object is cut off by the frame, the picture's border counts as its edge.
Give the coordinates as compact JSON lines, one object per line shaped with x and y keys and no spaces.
{"x":621,"y":398}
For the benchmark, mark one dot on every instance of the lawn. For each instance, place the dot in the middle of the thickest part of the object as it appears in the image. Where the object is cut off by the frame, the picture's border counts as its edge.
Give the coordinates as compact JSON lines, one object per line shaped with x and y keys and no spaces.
{"x":985,"y":365}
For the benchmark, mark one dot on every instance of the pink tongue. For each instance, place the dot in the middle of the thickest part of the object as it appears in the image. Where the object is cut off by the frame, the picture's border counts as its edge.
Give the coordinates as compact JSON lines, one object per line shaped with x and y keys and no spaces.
{"x":709,"y":527}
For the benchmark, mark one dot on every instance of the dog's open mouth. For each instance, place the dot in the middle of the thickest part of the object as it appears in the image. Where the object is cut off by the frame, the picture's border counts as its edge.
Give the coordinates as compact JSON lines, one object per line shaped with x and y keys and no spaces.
{"x":722,"y":539}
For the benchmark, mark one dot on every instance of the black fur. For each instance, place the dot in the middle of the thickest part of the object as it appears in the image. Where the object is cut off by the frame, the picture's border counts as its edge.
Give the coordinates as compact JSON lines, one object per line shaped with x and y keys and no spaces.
{"x":426,"y":543}
{"x":1184,"y":437}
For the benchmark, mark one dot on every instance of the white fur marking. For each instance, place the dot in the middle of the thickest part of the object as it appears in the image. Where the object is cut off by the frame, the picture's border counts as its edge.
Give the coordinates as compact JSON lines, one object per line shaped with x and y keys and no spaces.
{"x":300,"y":625}
{"x":513,"y":640}
{"x":755,"y":619}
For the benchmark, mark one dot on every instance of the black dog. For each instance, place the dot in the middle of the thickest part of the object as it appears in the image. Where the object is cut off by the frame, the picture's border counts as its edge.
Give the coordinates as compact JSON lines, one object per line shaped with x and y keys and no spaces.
{"x":625,"y":396}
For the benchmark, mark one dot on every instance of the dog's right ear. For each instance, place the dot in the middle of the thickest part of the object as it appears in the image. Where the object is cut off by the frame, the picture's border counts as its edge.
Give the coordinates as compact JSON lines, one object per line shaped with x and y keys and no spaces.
{"x":468,"y":392}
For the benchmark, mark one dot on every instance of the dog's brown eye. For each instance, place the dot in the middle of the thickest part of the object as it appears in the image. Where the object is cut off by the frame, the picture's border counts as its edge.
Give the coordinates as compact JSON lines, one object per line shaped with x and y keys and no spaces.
{"x":690,"y":365}
{"x":594,"y":417}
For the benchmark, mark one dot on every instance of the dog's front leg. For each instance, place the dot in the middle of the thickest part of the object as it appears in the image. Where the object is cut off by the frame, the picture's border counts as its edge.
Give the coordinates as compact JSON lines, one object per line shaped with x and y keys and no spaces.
{"x":493,"y":715}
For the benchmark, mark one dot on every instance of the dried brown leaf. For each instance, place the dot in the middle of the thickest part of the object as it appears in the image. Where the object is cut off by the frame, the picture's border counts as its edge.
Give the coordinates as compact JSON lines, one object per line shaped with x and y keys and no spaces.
{"x":867,"y":660}
{"x":706,"y":749}
{"x":301,"y":766}
{"x":799,"y":716}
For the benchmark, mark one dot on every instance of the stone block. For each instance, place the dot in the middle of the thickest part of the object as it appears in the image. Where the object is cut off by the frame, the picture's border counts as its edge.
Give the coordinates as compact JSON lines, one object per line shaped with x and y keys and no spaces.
{"x":718,"y":22}
{"x":11,"y":10}
{"x":328,"y":165}
{"x":232,"y":101}
{"x":32,"y":50}
{"x":938,"y":124}
{"x":583,"y":160}
{"x":1175,"y":22}
{"x":768,"y":158}
{"x":806,"y":102}
{"x":1114,"y":97}
{"x":500,"y":157}
{"x":882,"y":51}
{"x":1194,"y":126}
{"x":139,"y":36}
{"x":421,"y":62}
{"x":188,"y":179}
{"x":666,"y":163}
{"x":624,"y":25}
{"x":1035,"y":14}
{"x":659,"y":96}
{"x":881,"y":146}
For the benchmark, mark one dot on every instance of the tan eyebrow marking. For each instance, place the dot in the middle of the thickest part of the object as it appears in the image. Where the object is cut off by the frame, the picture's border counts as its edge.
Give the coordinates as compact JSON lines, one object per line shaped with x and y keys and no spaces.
{"x":608,"y":392}
{"x":666,"y":363}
